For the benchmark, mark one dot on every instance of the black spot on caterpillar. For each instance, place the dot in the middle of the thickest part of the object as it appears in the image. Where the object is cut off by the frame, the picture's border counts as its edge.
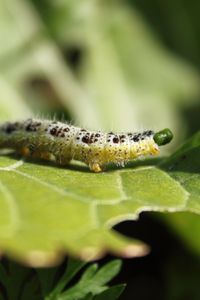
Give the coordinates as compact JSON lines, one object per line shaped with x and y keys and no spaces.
{"x":63,"y":142}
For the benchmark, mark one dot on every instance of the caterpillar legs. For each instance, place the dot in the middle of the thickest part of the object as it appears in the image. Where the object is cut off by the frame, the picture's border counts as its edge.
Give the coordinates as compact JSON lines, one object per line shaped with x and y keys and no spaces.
{"x":95,"y":167}
{"x":27,"y":152}
{"x":62,"y":160}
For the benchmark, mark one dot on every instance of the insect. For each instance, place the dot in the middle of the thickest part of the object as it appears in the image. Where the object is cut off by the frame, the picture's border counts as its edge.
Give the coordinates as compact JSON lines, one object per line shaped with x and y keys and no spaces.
{"x":52,"y":140}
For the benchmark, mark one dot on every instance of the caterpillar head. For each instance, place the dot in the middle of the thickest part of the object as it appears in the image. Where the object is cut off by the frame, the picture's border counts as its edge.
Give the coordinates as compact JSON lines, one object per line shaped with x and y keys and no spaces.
{"x":163,"y":137}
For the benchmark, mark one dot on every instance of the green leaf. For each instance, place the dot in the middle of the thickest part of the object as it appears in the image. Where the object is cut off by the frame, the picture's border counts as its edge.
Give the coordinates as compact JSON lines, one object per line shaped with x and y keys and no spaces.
{"x":89,"y":273}
{"x":187,"y":226}
{"x":184,"y":167}
{"x":47,"y":210}
{"x":73,"y":267}
{"x":47,"y":278}
{"x":112,"y":293}
{"x":107,"y":272}
{"x":92,"y":281}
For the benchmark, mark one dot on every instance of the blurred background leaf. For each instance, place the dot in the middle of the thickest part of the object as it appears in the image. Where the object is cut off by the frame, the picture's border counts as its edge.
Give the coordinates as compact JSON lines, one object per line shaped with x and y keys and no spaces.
{"x":96,"y":57}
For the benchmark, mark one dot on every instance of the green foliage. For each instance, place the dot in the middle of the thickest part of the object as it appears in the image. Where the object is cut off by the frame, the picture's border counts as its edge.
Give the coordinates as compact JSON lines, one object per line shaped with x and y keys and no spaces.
{"x":46,"y":209}
{"x":55,"y":284}
{"x":124,"y":76}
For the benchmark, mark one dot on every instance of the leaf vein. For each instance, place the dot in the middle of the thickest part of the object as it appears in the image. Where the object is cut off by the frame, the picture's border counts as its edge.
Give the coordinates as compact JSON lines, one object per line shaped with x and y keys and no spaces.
{"x":14,"y":212}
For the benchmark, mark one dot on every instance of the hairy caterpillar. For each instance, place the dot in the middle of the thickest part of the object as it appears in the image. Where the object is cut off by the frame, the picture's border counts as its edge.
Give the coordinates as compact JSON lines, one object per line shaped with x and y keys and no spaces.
{"x":63,"y":142}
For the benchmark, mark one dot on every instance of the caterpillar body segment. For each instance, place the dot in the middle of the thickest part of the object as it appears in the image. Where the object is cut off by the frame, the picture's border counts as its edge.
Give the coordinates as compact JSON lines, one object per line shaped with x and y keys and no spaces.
{"x":52,"y":140}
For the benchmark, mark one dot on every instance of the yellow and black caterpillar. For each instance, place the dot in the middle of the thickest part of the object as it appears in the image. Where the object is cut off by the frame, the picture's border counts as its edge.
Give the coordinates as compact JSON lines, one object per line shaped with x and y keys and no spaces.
{"x":63,"y":142}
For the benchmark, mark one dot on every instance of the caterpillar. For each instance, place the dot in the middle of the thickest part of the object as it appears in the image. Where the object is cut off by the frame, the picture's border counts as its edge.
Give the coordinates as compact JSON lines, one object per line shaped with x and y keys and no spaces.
{"x":53,"y":140}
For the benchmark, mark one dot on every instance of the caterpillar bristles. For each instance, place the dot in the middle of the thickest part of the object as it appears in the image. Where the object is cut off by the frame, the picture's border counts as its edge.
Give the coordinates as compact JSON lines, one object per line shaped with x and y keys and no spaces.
{"x":63,"y":142}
